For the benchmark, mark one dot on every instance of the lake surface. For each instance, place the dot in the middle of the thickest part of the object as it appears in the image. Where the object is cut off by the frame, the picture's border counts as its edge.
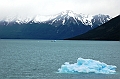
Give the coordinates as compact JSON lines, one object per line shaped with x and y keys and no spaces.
{"x":41,"y":59}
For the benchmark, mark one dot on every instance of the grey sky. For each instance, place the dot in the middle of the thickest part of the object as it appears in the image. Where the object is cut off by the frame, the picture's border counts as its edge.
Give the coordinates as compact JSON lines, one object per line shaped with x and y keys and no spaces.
{"x":51,"y":7}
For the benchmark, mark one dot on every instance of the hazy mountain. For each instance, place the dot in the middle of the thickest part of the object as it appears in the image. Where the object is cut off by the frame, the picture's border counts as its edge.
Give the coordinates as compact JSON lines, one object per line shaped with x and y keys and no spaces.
{"x":108,"y":31}
{"x":60,"y":26}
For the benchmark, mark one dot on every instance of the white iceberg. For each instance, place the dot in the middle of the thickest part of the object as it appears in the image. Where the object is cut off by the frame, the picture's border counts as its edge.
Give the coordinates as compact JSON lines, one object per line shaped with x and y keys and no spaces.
{"x":87,"y":66}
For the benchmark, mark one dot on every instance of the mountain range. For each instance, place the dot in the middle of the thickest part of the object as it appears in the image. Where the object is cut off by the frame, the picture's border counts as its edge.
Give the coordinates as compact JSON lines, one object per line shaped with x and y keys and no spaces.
{"x":60,"y":26}
{"x":108,"y":31}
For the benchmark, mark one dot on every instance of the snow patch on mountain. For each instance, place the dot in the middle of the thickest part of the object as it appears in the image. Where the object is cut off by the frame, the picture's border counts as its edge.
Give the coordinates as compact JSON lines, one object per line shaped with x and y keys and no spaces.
{"x":87,"y":19}
{"x":40,"y":18}
{"x":63,"y":18}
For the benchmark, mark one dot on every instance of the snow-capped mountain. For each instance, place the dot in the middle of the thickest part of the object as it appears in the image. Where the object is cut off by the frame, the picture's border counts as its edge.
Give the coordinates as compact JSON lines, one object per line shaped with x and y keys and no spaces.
{"x":108,"y":31}
{"x":69,"y":17}
{"x":60,"y":26}
{"x":62,"y":18}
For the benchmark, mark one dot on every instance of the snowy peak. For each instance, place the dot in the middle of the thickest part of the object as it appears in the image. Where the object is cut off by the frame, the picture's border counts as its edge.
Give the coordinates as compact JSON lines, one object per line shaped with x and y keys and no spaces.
{"x":40,"y":18}
{"x":67,"y":17}
{"x":100,"y":19}
{"x":20,"y":20}
{"x":63,"y":17}
{"x":68,"y":13}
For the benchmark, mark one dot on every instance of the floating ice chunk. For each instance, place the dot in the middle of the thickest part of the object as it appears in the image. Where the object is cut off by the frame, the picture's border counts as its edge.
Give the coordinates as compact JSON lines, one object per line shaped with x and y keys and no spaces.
{"x":87,"y":66}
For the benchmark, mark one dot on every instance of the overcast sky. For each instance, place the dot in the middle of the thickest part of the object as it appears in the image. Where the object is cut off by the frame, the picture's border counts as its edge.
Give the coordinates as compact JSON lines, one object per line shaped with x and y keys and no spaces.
{"x":51,"y":7}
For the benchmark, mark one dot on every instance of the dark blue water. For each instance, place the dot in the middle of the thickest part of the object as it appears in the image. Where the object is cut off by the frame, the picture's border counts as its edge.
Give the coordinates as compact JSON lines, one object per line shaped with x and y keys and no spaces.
{"x":41,"y":59}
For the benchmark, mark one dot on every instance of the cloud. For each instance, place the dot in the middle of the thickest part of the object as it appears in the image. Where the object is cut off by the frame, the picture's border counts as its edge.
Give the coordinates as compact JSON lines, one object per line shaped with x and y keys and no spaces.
{"x":48,"y":7}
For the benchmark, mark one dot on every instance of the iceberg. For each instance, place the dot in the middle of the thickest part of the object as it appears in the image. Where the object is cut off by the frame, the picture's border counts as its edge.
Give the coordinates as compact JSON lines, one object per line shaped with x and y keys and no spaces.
{"x":87,"y":66}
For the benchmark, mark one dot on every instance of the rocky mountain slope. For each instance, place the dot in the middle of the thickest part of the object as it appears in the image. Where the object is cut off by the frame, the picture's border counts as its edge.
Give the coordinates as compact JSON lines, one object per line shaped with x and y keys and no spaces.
{"x":108,"y":31}
{"x":60,"y":26}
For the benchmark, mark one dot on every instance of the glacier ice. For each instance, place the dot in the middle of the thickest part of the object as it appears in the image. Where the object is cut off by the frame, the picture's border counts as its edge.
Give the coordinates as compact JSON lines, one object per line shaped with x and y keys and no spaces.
{"x":87,"y":66}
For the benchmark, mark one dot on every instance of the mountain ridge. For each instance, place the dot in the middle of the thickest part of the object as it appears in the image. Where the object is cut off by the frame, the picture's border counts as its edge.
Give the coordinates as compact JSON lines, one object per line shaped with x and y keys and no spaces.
{"x":85,"y":19}
{"x":108,"y":31}
{"x":63,"y":25}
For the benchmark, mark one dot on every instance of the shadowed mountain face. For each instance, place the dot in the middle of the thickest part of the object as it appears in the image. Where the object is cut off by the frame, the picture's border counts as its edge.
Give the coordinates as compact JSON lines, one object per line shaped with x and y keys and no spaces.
{"x":61,"y":26}
{"x":108,"y":31}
